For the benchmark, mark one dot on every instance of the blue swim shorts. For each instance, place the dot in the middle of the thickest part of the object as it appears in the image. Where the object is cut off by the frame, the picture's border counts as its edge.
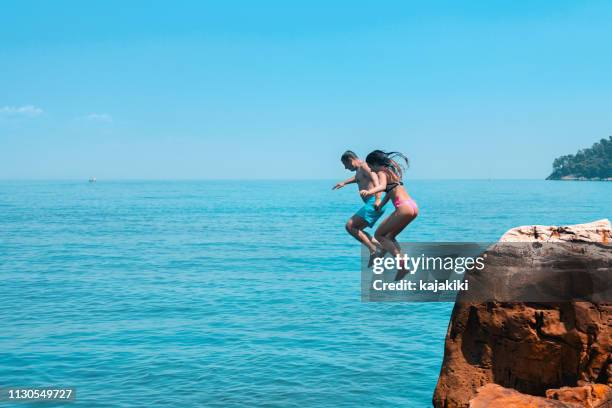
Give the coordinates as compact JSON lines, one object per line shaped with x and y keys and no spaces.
{"x":368,"y":213}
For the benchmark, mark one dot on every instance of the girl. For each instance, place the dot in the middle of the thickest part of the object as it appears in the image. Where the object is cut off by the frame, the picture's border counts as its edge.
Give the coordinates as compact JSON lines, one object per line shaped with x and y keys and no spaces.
{"x":390,"y":175}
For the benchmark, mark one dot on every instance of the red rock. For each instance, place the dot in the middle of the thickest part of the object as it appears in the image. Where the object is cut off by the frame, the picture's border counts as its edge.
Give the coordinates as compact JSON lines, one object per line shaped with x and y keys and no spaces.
{"x":529,"y":350}
{"x":496,"y":396}
{"x":589,"y":396}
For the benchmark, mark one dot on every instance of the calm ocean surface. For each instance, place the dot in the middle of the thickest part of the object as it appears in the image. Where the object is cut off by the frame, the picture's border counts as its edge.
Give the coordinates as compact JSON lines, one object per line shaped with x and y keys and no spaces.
{"x":233,"y":293}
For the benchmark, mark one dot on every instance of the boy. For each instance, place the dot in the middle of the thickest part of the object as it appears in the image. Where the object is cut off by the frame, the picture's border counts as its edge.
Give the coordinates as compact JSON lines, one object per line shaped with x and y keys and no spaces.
{"x":367,"y":215}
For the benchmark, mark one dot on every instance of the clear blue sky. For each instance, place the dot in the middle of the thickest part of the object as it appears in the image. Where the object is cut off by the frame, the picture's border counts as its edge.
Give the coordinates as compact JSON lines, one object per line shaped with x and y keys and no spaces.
{"x":260,"y":89}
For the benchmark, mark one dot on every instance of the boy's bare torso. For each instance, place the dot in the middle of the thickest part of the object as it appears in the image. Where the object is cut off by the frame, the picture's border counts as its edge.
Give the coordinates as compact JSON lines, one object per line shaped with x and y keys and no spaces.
{"x":364,"y":177}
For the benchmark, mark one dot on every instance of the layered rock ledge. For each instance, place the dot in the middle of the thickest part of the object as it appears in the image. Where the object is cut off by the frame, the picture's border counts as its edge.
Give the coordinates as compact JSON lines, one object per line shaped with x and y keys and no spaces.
{"x":521,"y":354}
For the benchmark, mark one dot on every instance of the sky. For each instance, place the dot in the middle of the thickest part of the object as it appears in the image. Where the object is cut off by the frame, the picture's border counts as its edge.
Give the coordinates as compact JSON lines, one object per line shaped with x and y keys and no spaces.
{"x":277,"y":89}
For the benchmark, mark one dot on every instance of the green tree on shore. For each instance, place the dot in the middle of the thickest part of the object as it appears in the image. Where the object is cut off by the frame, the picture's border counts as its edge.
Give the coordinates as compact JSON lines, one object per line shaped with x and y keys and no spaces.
{"x":594,"y":162}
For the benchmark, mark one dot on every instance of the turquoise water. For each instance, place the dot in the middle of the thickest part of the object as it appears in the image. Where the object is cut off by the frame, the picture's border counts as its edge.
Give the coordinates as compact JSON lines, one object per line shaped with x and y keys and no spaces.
{"x":223,"y":294}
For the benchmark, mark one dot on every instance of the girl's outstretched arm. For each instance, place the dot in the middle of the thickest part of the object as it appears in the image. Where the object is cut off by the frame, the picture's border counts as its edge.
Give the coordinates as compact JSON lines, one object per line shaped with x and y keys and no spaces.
{"x":384,"y":201}
{"x":376,"y":182}
{"x":382,"y":185}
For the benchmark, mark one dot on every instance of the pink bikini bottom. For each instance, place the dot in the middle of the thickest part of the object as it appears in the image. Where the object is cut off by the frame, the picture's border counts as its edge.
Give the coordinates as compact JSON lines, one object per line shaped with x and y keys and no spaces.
{"x":397,"y":202}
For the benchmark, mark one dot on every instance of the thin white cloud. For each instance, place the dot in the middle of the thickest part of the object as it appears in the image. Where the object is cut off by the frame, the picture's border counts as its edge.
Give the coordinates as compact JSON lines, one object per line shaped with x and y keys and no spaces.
{"x":26,"y":110}
{"x":99,"y":117}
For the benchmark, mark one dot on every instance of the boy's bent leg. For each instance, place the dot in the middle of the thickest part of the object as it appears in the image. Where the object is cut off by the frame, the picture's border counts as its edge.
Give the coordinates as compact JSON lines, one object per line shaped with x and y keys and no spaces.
{"x":355,"y":226}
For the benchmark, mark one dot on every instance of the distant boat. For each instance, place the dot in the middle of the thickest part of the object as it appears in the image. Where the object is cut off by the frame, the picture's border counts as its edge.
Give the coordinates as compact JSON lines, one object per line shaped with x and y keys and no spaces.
{"x":92,"y":179}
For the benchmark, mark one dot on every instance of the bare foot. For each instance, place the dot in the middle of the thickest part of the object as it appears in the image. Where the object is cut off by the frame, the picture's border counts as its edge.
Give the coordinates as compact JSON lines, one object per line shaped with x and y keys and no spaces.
{"x":373,"y":256}
{"x":378,"y":253}
{"x":402,"y":271}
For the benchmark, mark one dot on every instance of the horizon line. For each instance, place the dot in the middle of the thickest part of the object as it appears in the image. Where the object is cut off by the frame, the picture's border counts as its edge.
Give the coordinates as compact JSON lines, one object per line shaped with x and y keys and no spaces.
{"x":258,"y":179}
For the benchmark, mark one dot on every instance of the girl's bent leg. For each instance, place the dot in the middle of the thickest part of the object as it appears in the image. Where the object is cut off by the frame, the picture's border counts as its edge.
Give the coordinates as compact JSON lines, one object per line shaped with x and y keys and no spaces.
{"x":381,"y":236}
{"x":389,"y":229}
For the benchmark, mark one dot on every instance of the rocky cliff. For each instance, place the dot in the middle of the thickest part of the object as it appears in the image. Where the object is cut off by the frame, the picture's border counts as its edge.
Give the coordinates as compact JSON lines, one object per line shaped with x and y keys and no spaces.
{"x":525,"y":354}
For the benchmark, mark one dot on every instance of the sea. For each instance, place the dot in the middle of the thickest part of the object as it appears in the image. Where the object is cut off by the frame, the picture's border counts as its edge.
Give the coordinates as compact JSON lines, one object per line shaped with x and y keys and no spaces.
{"x":233,"y":293}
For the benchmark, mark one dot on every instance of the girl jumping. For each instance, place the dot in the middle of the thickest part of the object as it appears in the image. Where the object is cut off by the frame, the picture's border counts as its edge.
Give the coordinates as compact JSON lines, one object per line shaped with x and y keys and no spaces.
{"x":390,"y":175}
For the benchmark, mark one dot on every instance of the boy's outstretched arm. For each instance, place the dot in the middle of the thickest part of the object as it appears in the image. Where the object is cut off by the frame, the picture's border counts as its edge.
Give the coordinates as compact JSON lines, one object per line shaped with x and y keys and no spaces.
{"x":344,"y":183}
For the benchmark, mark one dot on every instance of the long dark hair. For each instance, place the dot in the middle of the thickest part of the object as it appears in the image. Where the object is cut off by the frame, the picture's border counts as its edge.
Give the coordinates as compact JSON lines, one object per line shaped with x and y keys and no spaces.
{"x":389,"y":160}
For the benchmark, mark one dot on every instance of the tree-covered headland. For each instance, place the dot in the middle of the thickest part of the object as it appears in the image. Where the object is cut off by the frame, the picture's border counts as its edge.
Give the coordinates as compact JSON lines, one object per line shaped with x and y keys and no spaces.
{"x":594,"y":163}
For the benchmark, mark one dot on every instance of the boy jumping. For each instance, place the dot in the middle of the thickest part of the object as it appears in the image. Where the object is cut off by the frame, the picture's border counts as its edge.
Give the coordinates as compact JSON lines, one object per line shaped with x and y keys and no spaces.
{"x":367,"y":215}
